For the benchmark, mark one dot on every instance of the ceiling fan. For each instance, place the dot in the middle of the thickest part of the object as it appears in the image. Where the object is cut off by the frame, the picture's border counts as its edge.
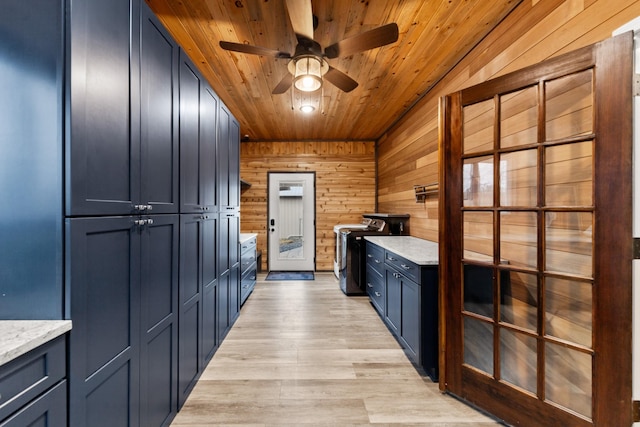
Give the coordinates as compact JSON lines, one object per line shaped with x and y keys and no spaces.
{"x":308,"y":65}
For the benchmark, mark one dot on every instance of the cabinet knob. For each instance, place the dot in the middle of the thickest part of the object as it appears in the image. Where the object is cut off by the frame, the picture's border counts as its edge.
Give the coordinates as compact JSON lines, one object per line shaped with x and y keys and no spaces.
{"x":369,"y":285}
{"x":140,"y":222}
{"x":397,"y":275}
{"x":150,"y":221}
{"x":378,"y":294}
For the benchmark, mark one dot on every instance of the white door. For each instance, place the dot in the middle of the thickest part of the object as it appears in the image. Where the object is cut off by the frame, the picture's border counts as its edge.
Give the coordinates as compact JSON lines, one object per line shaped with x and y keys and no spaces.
{"x":292,"y":233}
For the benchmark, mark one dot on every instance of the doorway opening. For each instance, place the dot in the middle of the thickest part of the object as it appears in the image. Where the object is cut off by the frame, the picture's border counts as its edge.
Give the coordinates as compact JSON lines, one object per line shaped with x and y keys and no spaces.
{"x":291,"y":221}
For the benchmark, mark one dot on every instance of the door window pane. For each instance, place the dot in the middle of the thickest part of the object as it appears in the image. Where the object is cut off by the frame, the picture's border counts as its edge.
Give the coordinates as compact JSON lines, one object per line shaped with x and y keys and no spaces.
{"x":569,"y":242}
{"x":569,"y":106}
{"x":519,"y":299}
{"x":478,"y":126}
{"x":291,"y":210}
{"x":478,"y":344}
{"x":568,"y":310}
{"x":477,"y":181}
{"x":519,"y":178}
{"x":478,"y":236}
{"x":519,"y":239}
{"x":478,"y":290}
{"x":518,"y":359}
{"x":568,"y":378}
{"x":569,"y":175}
{"x":519,"y":118}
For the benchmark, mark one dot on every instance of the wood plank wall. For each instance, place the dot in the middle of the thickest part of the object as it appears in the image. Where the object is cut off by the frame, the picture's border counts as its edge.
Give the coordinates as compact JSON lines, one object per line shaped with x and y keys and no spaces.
{"x":345,"y":186}
{"x":534,"y":31}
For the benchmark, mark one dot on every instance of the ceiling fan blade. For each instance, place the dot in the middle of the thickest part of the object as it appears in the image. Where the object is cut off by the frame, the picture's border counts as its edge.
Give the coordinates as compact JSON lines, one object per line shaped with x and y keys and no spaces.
{"x":284,"y":85}
{"x":368,"y":40}
{"x":301,"y":16}
{"x":254,"y":50}
{"x":340,"y":80}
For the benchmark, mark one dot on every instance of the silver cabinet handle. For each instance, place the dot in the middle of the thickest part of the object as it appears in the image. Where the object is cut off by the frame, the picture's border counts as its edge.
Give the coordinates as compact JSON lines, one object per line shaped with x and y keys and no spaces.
{"x":369,"y":285}
{"x":390,"y":258}
{"x":406,"y":267}
{"x":140,"y":222}
{"x":378,"y":294}
{"x":397,"y":275}
{"x":377,"y":261}
{"x":369,"y":256}
{"x":150,"y":221}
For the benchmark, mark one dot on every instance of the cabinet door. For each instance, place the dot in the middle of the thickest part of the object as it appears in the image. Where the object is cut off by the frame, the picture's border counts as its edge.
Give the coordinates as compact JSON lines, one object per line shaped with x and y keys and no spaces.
{"x":393,"y":301}
{"x":31,"y":159}
{"x":103,"y":147}
{"x":159,"y":316}
{"x":234,"y":162}
{"x":208,"y":148}
{"x":190,"y":304}
{"x":411,"y":317}
{"x":209,"y":281}
{"x":104,"y":295}
{"x":159,"y":56}
{"x":190,"y":92}
{"x":224,"y":120}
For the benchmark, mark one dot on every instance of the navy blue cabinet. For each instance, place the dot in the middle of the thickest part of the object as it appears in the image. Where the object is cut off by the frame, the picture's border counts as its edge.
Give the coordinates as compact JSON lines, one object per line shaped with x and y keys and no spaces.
{"x":159,"y":319}
{"x":405,"y":295}
{"x":198,"y":299}
{"x":198,"y":141}
{"x":159,"y":143}
{"x":103,"y":287}
{"x":31,"y":166}
{"x":103,"y":146}
{"x":123,"y":283}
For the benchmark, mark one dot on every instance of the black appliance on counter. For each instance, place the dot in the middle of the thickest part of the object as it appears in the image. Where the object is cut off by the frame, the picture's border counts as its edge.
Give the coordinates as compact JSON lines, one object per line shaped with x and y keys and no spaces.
{"x":350,"y":262}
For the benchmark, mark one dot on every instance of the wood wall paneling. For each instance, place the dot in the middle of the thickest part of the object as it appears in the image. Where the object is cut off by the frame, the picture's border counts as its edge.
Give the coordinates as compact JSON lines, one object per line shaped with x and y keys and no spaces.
{"x":345,"y":186}
{"x":531,"y":33}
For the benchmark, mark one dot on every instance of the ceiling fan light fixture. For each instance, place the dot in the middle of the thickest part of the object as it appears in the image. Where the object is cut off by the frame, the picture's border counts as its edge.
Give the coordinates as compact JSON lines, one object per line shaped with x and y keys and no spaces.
{"x":307,"y":108}
{"x":307,"y":72}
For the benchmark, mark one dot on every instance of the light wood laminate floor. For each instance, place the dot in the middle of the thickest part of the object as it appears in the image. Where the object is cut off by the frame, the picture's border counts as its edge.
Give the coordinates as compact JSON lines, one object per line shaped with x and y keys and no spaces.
{"x":302,"y":353}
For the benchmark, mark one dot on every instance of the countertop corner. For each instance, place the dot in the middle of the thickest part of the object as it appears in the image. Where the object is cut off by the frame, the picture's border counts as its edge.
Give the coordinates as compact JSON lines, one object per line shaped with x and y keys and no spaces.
{"x":18,"y":337}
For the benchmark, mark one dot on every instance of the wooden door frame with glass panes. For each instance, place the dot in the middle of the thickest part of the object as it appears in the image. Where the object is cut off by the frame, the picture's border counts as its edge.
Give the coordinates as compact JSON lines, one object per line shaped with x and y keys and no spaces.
{"x":536,"y":243}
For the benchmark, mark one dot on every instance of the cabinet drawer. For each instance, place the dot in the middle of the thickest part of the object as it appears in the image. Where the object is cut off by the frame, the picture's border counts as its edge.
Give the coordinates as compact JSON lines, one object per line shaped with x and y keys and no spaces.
{"x":375,"y":288}
{"x":52,"y":407}
{"x":375,"y":257}
{"x":25,"y":378}
{"x":248,"y":245}
{"x":247,"y":259}
{"x":403,"y":265}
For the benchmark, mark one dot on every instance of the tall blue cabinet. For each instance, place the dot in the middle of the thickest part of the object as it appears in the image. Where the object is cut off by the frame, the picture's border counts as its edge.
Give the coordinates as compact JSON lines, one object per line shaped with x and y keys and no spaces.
{"x":118,"y":167}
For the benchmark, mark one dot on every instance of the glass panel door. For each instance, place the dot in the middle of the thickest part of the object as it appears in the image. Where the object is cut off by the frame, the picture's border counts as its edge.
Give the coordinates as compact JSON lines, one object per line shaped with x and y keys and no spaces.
{"x":523,"y":284}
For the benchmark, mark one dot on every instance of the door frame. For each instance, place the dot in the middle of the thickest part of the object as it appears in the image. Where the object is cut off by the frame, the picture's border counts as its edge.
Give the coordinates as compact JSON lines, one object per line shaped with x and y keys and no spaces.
{"x":268,"y":220}
{"x":612,"y":257}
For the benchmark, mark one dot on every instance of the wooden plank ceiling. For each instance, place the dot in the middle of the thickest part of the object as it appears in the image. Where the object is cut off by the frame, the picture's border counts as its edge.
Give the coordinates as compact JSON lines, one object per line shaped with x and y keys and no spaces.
{"x":434,"y":36}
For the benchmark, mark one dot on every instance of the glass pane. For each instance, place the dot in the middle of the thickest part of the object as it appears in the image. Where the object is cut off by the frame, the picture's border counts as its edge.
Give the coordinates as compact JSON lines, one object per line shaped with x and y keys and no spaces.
{"x":477,"y":126}
{"x":569,"y":105}
{"x":477,"y":181}
{"x":478,"y":344}
{"x":519,"y":299}
{"x":478,"y":290}
{"x":568,"y":378}
{"x":519,"y":178}
{"x":291,"y":220}
{"x":519,"y":239}
{"x":519,"y":118}
{"x":568,"y":310}
{"x":478,"y":236}
{"x":518,"y":359}
{"x":569,"y":175}
{"x":569,"y":242}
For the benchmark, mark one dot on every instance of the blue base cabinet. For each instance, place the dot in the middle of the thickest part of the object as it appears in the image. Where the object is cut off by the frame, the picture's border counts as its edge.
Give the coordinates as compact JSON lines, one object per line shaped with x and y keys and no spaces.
{"x":405,"y":295}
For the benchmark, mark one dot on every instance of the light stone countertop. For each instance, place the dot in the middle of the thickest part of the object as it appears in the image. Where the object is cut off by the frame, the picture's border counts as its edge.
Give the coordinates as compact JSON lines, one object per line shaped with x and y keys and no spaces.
{"x":18,"y":337}
{"x":246,"y":236}
{"x":420,"y":251}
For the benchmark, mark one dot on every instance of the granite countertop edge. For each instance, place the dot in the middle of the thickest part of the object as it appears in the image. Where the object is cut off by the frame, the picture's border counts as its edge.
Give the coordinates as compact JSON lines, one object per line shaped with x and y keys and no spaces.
{"x":246,"y":236}
{"x":18,"y":337}
{"x":419,"y":251}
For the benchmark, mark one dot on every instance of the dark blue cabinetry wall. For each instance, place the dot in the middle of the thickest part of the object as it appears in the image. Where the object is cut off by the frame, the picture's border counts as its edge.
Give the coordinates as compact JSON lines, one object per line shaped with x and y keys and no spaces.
{"x":109,"y":163}
{"x":31,"y":130}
